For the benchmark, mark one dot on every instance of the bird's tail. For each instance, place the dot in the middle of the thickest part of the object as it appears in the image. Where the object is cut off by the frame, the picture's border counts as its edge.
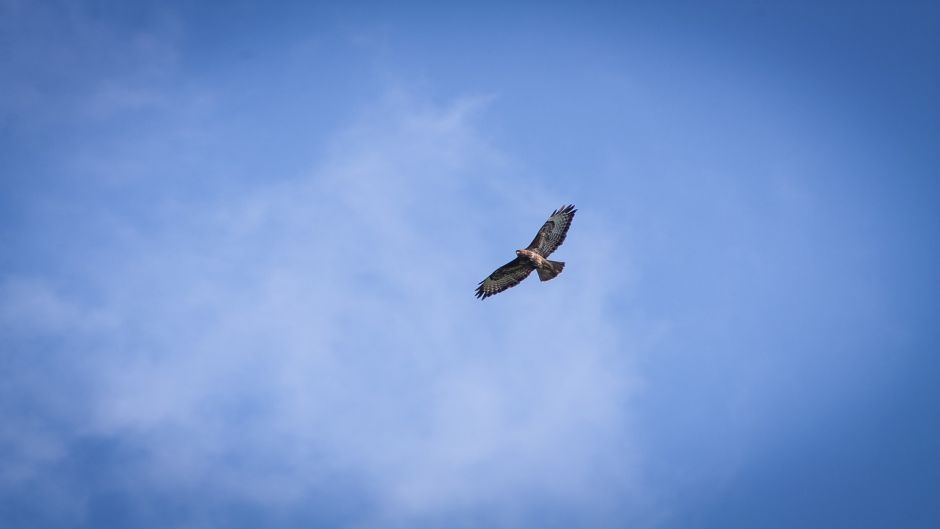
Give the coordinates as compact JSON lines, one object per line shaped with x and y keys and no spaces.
{"x":545,"y":274}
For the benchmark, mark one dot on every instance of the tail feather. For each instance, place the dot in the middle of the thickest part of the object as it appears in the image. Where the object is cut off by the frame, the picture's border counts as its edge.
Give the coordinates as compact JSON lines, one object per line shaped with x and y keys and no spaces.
{"x":546,"y":274}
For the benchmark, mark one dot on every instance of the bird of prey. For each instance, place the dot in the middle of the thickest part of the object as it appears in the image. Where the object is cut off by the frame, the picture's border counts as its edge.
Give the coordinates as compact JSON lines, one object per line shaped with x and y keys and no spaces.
{"x":549,"y":237}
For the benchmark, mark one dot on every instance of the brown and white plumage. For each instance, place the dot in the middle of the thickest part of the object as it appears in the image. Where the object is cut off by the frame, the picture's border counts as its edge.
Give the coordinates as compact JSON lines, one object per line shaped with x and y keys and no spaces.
{"x":506,"y":276}
{"x":553,"y":232}
{"x":547,"y":240}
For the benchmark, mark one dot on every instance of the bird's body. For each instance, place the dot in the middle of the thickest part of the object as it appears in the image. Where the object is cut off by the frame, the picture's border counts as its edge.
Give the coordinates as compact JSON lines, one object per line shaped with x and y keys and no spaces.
{"x":546,"y":269}
{"x":534,"y":257}
{"x":537,"y":260}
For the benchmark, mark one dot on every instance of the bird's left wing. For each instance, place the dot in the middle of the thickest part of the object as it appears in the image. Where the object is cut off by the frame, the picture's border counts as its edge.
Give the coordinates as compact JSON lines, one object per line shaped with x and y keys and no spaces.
{"x":506,"y":276}
{"x":553,"y":232}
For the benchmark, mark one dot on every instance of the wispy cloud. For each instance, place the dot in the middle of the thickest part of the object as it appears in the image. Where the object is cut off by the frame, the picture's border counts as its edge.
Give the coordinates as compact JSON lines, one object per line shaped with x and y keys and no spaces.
{"x":238,"y":251}
{"x":324,"y":325}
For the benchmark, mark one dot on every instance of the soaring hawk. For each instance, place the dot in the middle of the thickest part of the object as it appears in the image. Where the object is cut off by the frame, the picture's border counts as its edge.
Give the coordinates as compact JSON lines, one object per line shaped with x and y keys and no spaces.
{"x":533,"y":257}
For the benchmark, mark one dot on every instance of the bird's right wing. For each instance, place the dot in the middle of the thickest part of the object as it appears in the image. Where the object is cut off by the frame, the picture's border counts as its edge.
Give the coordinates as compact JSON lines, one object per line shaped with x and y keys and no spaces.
{"x":553,"y":232}
{"x":506,"y":276}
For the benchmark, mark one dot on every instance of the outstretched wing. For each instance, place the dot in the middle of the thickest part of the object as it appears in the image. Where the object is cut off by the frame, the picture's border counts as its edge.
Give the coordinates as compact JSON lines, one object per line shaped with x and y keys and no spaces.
{"x":506,"y":276}
{"x":553,"y":232}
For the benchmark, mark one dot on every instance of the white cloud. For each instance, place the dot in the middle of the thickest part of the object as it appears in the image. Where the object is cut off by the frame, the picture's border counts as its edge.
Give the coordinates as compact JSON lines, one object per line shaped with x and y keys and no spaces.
{"x":326,"y":325}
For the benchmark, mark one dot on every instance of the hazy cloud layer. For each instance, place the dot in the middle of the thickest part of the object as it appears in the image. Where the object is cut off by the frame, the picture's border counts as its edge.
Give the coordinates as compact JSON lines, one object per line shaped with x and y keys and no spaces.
{"x":238,"y":249}
{"x":258,"y":345}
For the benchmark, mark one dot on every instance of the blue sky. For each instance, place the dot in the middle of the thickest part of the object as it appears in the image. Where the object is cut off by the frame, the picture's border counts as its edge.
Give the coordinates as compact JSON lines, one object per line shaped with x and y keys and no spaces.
{"x":239,"y":243}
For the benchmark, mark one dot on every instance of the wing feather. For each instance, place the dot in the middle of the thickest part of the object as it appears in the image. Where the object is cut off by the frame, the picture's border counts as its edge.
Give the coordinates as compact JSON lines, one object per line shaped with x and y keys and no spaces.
{"x":553,"y":232}
{"x":506,"y":276}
